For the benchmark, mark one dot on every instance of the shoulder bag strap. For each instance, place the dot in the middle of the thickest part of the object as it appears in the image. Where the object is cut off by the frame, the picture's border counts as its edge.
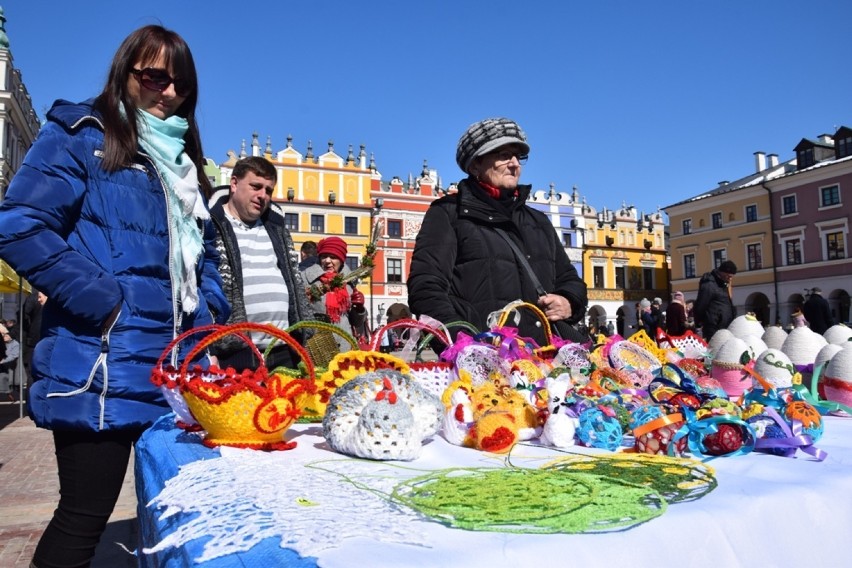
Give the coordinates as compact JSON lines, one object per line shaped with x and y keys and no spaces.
{"x":523,"y":260}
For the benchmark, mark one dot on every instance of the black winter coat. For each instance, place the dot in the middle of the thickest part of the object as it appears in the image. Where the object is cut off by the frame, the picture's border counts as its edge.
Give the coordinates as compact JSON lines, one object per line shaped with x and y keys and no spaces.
{"x":463,"y":270}
{"x":713,"y":307}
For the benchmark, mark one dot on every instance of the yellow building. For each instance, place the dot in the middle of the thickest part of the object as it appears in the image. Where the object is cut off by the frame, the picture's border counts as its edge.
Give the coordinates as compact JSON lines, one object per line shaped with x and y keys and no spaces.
{"x":624,"y":260}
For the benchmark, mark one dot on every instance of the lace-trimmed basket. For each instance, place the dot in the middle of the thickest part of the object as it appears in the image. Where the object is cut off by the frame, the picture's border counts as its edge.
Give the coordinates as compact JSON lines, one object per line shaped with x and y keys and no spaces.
{"x":250,"y":409}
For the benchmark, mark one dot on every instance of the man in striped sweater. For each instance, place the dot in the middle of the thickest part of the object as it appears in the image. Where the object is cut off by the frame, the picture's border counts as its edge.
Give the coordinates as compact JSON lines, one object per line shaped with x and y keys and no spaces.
{"x":258,"y":264}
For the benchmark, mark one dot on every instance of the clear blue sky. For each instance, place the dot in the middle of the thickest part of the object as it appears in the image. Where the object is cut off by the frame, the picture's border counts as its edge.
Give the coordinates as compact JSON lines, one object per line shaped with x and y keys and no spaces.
{"x":646,"y":102}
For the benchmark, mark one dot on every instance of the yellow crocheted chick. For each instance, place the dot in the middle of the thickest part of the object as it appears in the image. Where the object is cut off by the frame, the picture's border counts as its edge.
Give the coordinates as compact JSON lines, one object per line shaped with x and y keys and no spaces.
{"x":495,"y":431}
{"x":496,"y":397}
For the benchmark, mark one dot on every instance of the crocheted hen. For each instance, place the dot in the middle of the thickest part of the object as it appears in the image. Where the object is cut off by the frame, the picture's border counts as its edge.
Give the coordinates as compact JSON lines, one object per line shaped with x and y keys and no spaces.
{"x":382,"y":415}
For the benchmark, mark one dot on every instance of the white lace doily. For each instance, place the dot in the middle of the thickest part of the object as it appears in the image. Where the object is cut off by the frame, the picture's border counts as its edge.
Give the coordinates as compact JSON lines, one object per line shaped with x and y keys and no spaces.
{"x":311,"y":507}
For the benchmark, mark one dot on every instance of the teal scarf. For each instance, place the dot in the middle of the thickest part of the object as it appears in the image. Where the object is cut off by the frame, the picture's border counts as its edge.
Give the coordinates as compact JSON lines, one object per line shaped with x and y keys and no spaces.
{"x":163,"y":141}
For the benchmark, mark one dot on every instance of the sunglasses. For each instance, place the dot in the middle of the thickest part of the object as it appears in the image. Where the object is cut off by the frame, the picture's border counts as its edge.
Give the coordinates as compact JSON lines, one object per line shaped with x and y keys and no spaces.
{"x":159,"y":80}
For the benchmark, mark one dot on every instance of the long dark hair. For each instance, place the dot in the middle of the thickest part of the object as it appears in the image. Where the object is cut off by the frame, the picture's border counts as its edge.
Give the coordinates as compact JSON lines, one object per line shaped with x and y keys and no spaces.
{"x":120,"y":134}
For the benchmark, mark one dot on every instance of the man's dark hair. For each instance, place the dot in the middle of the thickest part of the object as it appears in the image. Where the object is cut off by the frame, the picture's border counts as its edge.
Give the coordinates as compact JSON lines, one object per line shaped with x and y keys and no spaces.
{"x":309,"y":248}
{"x":257,"y":165}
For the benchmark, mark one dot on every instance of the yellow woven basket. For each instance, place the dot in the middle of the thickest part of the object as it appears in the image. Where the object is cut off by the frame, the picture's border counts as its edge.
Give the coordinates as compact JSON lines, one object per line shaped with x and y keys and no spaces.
{"x":251,"y":409}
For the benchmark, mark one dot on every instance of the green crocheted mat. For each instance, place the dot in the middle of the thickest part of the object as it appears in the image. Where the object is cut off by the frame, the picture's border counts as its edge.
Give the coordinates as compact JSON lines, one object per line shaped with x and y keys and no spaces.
{"x":575,"y":494}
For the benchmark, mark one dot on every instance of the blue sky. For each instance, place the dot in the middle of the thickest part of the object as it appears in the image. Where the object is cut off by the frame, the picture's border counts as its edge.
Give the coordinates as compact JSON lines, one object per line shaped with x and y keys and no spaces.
{"x":647,"y":103}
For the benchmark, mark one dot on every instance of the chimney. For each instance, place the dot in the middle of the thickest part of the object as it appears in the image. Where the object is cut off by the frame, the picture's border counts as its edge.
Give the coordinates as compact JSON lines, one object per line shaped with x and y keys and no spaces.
{"x":760,"y":161}
{"x":773,"y":160}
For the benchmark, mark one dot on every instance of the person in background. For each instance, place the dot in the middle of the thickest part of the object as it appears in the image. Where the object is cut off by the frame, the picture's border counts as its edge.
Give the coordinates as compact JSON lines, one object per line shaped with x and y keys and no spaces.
{"x":818,"y":312}
{"x":113,"y":193}
{"x":33,"y":306}
{"x":798,"y":318}
{"x":308,"y":253}
{"x":343,"y":304}
{"x":690,"y":315}
{"x":648,"y":322}
{"x":658,"y":315}
{"x":9,"y":362}
{"x":676,"y":315}
{"x":13,"y":328}
{"x":467,"y":256}
{"x":610,"y":329}
{"x":258,"y":265}
{"x":714,"y":306}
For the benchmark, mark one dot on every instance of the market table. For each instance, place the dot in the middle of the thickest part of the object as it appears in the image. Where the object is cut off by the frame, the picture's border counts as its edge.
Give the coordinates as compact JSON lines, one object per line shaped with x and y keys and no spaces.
{"x":766,"y":510}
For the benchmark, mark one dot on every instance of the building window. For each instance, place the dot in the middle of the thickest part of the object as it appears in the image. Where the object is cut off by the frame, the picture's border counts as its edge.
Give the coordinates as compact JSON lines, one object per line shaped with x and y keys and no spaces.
{"x":793,"y":250}
{"x":689,"y":266}
{"x":317,"y":223}
{"x":716,"y":220}
{"x":352,"y":262}
{"x":755,"y":258}
{"x":805,"y":158}
{"x":394,"y":270}
{"x":835,"y":246}
{"x":394,"y":228}
{"x":566,"y":239}
{"x":719,"y":256}
{"x":599,"y":276}
{"x":687,"y":226}
{"x":291,"y":221}
{"x":350,"y":225}
{"x":620,"y":277}
{"x":788,"y":204}
{"x":844,"y":147}
{"x":648,"y":278}
{"x":751,"y":213}
{"x":829,"y":196}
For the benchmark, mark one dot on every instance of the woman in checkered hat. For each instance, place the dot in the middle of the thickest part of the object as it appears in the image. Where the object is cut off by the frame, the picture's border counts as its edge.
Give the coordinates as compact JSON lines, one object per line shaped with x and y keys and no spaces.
{"x":464,"y":267}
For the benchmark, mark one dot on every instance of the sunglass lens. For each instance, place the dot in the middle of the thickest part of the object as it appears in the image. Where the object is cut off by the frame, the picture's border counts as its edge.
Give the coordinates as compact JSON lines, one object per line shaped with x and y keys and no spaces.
{"x":155,"y":79}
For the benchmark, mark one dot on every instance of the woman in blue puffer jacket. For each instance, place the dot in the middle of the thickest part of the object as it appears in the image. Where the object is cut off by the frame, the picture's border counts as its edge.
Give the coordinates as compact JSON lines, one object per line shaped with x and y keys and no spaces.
{"x":107,"y":216}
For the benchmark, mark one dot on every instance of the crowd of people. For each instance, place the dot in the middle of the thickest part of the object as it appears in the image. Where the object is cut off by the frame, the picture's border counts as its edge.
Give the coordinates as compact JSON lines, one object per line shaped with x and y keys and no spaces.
{"x":142,"y":248}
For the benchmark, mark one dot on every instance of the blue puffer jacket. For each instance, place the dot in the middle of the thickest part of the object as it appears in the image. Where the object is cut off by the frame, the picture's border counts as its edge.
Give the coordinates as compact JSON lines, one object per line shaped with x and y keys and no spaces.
{"x":93,"y":240}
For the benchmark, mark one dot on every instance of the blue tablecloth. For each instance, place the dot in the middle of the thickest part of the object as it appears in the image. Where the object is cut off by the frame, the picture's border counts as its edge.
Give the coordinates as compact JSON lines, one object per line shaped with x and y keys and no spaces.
{"x":159,"y":454}
{"x":767,"y":510}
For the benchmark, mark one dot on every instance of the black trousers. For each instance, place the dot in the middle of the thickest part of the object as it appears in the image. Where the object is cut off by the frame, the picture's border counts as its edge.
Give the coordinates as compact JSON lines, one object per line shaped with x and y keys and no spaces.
{"x":92,"y":466}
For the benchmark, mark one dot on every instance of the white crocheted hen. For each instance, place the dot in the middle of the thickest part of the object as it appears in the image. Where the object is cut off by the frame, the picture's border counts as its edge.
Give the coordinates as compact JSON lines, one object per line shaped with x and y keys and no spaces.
{"x":382,"y":415}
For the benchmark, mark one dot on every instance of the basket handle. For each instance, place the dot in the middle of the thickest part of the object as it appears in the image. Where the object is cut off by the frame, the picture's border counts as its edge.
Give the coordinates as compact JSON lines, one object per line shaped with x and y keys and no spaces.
{"x":406,"y":323}
{"x":509,"y":308}
{"x":237,"y":328}
{"x":195,"y":331}
{"x":316,"y":324}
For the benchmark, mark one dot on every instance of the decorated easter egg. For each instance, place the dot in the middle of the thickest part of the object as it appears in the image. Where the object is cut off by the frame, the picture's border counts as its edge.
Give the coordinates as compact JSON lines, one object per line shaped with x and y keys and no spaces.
{"x":776,"y":368}
{"x":746,"y":324}
{"x":839,"y":334}
{"x":719,"y":338}
{"x":774,"y":337}
{"x":654,"y":431}
{"x":599,"y":429}
{"x":727,"y":439}
{"x":838,"y":377}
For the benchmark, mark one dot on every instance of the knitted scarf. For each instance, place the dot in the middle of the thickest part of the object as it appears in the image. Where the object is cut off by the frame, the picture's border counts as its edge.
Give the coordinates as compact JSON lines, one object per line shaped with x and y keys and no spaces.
{"x":163,"y":141}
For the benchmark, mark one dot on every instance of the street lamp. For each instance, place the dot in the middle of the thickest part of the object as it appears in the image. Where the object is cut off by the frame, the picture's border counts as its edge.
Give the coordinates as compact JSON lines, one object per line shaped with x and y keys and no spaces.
{"x":374,"y":211}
